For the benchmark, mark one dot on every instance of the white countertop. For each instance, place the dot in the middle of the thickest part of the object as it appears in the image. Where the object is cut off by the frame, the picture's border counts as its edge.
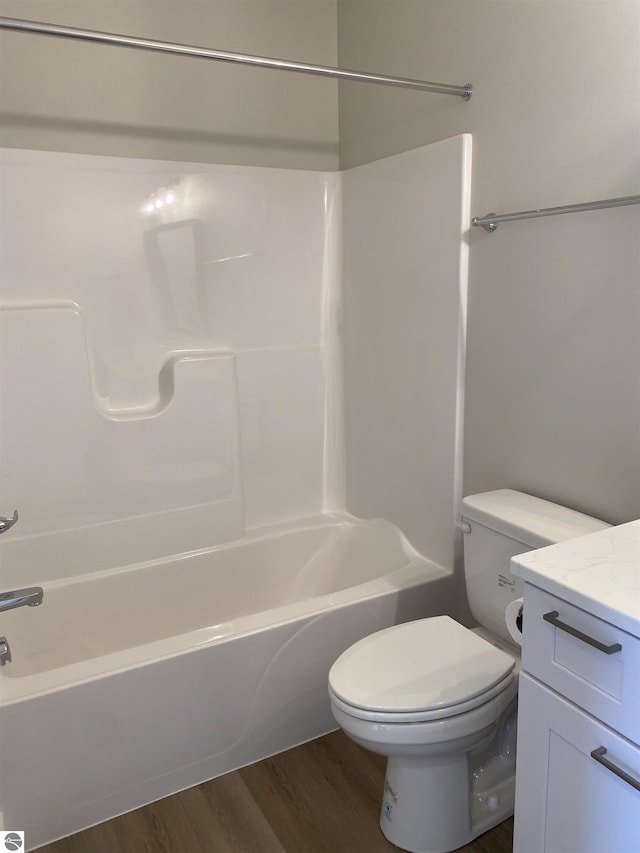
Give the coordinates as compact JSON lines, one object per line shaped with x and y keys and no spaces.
{"x":599,"y":572}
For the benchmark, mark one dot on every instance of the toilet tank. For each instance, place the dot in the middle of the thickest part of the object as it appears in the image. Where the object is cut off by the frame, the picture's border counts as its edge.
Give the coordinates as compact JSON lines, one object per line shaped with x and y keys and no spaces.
{"x":501,"y":524}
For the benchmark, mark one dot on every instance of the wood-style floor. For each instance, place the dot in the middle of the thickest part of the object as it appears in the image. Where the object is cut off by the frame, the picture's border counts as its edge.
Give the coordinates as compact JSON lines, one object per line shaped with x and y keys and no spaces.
{"x":322,"y":797}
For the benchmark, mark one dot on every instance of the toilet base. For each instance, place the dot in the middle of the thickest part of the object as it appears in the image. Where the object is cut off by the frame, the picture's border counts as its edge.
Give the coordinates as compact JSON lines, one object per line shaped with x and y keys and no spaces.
{"x":426,"y":807}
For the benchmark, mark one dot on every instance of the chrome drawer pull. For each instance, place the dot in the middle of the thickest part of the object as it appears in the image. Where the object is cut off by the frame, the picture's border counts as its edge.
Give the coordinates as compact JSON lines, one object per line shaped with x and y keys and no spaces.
{"x":599,"y":754}
{"x":552,"y":617}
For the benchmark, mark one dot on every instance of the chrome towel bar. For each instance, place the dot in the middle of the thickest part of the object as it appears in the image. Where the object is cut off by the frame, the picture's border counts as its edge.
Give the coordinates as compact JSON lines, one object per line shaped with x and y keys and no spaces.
{"x":39,"y":28}
{"x":491,"y":220}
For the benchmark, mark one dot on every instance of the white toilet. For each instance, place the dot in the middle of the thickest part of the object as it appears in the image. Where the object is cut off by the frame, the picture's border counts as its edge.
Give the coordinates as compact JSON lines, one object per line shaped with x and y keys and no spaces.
{"x":438,"y":699}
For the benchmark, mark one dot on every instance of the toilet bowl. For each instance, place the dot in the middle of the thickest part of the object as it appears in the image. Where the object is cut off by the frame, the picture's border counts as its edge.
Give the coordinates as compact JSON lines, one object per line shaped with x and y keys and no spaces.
{"x":439,"y":699}
{"x":434,"y":717}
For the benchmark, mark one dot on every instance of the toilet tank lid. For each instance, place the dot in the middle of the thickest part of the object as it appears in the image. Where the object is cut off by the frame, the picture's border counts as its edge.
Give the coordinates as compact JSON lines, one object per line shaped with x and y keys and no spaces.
{"x":527,"y":519}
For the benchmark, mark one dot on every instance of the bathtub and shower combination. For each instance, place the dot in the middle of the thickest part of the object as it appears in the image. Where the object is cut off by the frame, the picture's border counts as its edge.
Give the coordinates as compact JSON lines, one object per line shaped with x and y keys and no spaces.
{"x":205,"y":367}
{"x":176,"y":499}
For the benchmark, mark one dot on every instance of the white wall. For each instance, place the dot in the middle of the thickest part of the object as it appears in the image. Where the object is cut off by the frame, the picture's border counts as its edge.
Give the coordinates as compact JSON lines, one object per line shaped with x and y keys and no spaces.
{"x":553,"y":357}
{"x":405,"y":295}
{"x":61,"y":95}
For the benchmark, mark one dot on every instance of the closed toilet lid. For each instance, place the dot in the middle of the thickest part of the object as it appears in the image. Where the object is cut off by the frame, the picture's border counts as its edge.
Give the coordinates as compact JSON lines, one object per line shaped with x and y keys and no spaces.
{"x":425,"y":665}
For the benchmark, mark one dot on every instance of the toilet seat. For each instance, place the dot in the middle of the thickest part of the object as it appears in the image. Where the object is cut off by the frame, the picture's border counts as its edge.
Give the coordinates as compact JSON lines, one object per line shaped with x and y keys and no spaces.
{"x":419,"y":671}
{"x":421,"y":716}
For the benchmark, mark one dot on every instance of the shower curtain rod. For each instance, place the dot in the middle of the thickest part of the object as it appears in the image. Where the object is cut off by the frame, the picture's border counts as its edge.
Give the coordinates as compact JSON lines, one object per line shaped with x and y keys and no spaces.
{"x":37,"y":27}
{"x":491,"y":220}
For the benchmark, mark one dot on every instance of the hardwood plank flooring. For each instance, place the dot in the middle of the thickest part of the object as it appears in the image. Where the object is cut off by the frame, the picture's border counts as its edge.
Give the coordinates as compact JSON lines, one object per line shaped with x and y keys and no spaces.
{"x":322,"y":797}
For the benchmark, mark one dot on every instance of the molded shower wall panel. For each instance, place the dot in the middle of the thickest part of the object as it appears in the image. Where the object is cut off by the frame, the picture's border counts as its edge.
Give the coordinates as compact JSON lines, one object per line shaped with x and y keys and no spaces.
{"x":282,"y":412}
{"x":163,"y":265}
{"x":405,"y":224}
{"x":69,"y":463}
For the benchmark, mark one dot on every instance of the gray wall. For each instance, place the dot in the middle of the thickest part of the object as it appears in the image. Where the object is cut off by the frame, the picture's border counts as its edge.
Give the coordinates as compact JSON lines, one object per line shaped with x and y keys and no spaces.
{"x":69,"y":96}
{"x":553,"y":357}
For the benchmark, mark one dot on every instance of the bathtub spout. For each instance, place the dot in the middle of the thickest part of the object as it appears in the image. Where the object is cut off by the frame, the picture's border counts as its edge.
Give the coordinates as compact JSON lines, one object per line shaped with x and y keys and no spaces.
{"x":30,"y":597}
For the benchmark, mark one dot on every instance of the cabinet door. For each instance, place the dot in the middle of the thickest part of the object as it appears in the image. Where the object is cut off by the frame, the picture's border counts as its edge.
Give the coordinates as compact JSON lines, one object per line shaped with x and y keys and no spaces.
{"x":566,"y":801}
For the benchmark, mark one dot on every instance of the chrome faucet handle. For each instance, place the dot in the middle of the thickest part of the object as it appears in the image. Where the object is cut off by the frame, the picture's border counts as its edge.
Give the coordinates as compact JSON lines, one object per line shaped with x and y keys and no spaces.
{"x":5,"y":651}
{"x":6,"y":523}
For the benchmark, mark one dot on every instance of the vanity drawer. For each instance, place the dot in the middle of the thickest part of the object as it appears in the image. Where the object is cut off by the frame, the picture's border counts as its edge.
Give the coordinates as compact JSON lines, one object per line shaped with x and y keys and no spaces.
{"x":577,"y":654}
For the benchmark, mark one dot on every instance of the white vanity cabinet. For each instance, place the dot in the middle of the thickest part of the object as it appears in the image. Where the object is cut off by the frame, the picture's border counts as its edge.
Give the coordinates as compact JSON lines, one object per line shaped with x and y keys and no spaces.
{"x":578,"y":758}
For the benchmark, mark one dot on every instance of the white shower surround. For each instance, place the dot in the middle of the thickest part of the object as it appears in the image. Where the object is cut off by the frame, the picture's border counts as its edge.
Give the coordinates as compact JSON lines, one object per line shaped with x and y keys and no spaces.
{"x":247,"y":264}
{"x":269,"y":286}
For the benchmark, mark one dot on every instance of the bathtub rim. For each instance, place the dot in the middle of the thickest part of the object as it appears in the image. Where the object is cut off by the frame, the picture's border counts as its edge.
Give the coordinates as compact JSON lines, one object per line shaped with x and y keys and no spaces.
{"x":259,"y":533}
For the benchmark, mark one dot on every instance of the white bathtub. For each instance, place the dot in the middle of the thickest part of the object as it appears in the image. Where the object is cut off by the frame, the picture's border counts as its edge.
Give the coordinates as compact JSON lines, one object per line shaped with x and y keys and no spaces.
{"x":131,"y":684}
